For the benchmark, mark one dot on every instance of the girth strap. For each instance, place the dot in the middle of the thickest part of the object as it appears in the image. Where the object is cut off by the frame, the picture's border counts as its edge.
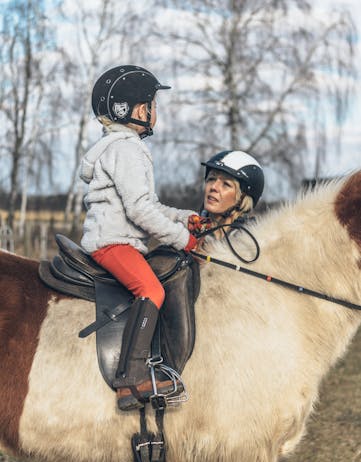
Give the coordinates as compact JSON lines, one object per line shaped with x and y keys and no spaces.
{"x":158,"y":445}
{"x":147,"y":446}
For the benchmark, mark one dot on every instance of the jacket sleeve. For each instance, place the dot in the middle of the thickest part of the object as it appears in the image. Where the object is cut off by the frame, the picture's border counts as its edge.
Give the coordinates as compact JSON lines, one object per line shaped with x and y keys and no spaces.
{"x":174,"y":214}
{"x":127,"y":169}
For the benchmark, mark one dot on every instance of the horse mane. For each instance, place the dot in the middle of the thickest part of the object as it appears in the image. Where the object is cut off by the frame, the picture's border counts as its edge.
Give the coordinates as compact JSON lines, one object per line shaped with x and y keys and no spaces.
{"x":307,"y":205}
{"x":298,"y":237}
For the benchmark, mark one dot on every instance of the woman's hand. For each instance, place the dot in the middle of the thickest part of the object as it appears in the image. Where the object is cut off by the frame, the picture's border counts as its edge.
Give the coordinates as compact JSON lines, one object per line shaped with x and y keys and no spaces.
{"x":197,"y":225}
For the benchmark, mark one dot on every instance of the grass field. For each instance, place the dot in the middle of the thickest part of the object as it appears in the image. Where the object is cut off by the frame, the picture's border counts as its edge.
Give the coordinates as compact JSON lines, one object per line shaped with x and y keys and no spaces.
{"x":334,"y":430}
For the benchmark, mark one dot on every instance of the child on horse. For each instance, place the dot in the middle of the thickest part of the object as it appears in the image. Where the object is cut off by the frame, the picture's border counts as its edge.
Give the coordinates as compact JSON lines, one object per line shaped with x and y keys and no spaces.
{"x":123,"y":212}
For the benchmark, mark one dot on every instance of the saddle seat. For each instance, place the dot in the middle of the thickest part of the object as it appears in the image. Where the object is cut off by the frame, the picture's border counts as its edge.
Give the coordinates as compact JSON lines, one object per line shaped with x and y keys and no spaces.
{"x":75,"y":273}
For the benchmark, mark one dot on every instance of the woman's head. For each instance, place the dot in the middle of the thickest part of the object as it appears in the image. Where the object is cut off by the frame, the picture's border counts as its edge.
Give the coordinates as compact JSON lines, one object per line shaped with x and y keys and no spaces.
{"x":233,"y":184}
{"x":125,"y":95}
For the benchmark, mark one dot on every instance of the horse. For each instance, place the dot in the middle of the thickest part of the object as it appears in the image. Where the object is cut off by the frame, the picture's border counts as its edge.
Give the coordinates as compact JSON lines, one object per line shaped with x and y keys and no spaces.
{"x":260,"y":354}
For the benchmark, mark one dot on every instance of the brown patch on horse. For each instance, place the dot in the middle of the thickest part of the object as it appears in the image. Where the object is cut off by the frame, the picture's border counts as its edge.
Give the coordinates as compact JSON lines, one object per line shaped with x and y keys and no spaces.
{"x":348,"y":207}
{"x":20,"y":320}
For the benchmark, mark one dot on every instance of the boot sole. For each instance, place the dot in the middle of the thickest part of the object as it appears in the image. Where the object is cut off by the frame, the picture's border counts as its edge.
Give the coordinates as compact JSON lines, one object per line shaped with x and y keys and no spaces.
{"x":130,"y":402}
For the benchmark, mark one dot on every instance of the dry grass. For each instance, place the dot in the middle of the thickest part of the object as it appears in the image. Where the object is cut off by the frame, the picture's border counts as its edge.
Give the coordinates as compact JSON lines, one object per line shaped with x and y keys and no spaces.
{"x":334,"y":431}
{"x":34,"y":215}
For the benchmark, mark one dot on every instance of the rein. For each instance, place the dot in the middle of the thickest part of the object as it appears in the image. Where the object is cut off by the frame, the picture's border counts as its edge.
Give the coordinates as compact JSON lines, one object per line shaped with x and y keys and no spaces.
{"x":233,"y":225}
{"x":267,"y":278}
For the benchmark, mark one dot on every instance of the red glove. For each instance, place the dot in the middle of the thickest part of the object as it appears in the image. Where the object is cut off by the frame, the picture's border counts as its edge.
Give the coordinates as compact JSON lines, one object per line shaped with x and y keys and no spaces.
{"x":197,"y":225}
{"x":192,"y":243}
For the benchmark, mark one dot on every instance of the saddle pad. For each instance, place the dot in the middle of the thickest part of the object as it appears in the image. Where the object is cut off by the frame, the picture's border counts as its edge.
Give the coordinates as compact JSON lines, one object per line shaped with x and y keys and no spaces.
{"x":63,"y":285}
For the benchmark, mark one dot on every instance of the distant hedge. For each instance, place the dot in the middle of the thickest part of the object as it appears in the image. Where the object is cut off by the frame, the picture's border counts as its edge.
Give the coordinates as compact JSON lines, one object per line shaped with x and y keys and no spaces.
{"x":51,"y":202}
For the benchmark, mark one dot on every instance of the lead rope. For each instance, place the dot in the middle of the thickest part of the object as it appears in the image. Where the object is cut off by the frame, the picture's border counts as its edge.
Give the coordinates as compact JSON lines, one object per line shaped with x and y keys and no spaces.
{"x":268,"y":278}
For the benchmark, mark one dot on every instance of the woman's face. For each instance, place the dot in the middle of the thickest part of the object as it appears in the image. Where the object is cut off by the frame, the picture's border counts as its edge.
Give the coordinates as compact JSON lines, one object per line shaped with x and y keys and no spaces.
{"x":220,"y":193}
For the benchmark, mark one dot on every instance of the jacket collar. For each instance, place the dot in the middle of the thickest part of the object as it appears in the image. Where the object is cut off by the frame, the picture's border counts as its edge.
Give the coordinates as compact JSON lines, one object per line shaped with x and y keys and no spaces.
{"x":124,"y":133}
{"x":121,"y":130}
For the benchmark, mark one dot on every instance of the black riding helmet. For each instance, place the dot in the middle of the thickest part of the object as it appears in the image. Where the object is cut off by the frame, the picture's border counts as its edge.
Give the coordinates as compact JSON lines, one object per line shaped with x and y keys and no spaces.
{"x":118,"y":90}
{"x":243,"y":168}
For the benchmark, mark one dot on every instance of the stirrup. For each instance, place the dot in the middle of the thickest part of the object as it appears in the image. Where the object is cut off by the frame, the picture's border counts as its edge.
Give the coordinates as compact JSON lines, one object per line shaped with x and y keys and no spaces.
{"x":173,"y":398}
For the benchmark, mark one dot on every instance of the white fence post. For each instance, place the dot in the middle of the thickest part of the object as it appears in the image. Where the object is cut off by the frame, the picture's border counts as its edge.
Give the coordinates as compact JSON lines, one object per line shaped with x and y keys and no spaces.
{"x":43,"y":240}
{"x":6,"y":238}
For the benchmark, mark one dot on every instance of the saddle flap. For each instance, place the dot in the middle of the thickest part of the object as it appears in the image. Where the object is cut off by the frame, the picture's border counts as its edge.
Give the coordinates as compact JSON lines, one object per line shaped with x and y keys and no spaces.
{"x":177,"y":327}
{"x":46,"y":274}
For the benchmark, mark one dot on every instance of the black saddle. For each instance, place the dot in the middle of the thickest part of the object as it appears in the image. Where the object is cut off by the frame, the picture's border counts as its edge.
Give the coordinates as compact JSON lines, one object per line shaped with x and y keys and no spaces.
{"x":75,"y":273}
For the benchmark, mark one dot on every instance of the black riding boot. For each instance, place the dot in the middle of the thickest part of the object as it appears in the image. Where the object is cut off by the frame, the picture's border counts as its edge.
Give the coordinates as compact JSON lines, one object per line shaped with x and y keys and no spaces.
{"x":132,"y":379}
{"x":132,"y":368}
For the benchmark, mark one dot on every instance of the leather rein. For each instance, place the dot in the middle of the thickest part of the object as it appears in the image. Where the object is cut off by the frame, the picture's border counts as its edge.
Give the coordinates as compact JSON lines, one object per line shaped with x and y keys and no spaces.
{"x":265,"y":277}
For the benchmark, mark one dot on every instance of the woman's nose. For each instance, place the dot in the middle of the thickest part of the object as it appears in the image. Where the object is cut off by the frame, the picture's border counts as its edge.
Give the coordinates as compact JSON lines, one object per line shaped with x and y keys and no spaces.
{"x":215,"y":185}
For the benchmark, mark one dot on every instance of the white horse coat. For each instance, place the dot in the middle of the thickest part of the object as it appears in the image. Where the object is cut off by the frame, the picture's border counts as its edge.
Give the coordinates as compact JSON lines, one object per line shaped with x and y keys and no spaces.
{"x":261,"y":350}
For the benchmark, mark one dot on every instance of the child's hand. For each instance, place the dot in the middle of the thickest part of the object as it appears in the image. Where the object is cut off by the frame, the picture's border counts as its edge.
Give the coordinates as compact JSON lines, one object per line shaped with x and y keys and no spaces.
{"x":197,"y":225}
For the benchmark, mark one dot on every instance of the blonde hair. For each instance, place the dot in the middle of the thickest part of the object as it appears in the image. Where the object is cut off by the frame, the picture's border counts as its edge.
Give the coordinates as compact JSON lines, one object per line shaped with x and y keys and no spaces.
{"x":104,"y":120}
{"x":109,"y":125}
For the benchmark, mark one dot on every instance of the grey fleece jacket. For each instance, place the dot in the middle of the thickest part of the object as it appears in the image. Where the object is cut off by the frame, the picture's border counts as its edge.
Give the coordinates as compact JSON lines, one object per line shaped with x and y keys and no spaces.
{"x":122,"y":207}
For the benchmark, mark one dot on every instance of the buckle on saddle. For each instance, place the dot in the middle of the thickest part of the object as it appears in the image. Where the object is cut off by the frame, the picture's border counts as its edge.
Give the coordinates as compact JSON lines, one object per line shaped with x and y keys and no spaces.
{"x":139,"y":446}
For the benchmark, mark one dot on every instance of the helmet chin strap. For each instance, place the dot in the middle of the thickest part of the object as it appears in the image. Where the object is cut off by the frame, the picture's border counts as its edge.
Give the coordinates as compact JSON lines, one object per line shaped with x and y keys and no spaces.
{"x":148,"y":129}
{"x":148,"y":132}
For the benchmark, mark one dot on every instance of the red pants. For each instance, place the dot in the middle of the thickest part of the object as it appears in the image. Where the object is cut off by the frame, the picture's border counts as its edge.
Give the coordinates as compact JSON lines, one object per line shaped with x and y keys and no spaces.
{"x":132,"y":270}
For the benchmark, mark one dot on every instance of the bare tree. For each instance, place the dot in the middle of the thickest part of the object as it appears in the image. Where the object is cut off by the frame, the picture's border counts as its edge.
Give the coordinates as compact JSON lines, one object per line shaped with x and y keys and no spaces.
{"x":257,"y":68}
{"x":25,"y":37}
{"x":104,"y":37}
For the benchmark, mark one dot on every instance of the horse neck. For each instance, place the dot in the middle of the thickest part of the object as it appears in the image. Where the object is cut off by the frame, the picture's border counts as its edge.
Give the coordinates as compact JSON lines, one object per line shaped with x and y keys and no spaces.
{"x":304,"y":245}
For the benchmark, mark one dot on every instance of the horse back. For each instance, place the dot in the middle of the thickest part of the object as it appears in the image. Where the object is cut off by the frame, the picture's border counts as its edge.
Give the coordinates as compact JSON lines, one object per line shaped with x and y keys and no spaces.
{"x":23,"y":307}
